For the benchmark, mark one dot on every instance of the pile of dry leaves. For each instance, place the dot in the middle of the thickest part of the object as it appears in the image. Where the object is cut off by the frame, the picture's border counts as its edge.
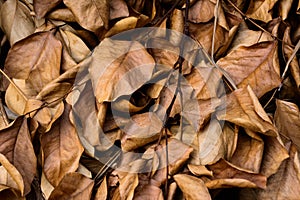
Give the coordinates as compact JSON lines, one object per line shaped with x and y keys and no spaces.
{"x":149,"y":99}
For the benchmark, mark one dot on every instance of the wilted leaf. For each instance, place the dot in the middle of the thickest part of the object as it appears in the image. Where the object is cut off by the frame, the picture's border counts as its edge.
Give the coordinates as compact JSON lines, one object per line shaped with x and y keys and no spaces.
{"x":16,"y":146}
{"x":244,"y":109}
{"x":61,"y":149}
{"x":202,"y":11}
{"x":63,"y":14}
{"x":117,"y":9}
{"x":41,"y":61}
{"x":149,"y":191}
{"x":102,"y":190}
{"x":92,"y":15}
{"x":249,"y":152}
{"x":119,"y":70}
{"x":122,"y":25}
{"x":16,"y":21}
{"x":73,"y":186}
{"x":193,"y":188}
{"x":42,"y":7}
{"x":261,"y":10}
{"x":287,"y":120}
{"x":199,"y":170}
{"x":10,"y":177}
{"x":285,"y":184}
{"x":226,"y":170}
{"x":256,"y":65}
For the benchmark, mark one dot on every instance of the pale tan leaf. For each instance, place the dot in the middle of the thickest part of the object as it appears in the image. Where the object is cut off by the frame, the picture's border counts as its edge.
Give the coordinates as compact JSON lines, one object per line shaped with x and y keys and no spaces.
{"x":244,"y":109}
{"x":92,"y":15}
{"x":41,"y":61}
{"x":16,"y":146}
{"x":176,"y":24}
{"x":122,"y":25}
{"x":118,"y":9}
{"x":285,"y":184}
{"x":128,"y":183}
{"x":287,"y":120}
{"x":256,"y":65}
{"x":15,"y":101}
{"x":10,"y":177}
{"x":229,"y":183}
{"x":16,"y":21}
{"x":61,"y":149}
{"x":42,"y":7}
{"x":62,"y":14}
{"x":193,"y":188}
{"x":261,"y":10}
{"x":225,"y":170}
{"x":46,"y":186}
{"x":199,"y":170}
{"x":102,"y":190}
{"x":119,"y":68}
{"x":73,"y":186}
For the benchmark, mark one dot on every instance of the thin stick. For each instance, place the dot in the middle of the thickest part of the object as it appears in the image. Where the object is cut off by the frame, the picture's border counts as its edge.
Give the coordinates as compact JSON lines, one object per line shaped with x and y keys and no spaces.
{"x":290,"y":60}
{"x":13,"y":84}
{"x":215,"y":28}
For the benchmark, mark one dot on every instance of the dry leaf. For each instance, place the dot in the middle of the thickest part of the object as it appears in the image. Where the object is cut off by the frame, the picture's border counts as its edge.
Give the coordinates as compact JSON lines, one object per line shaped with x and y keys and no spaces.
{"x":202,"y":11}
{"x":16,"y":21}
{"x":92,"y":15}
{"x":102,"y":190}
{"x":16,"y":146}
{"x":117,"y":9}
{"x":42,"y":7}
{"x":200,"y":170}
{"x":73,"y":186}
{"x":244,"y":109}
{"x":121,"y":63}
{"x":287,"y":120}
{"x":225,"y":170}
{"x":256,"y":65}
{"x":122,"y":25}
{"x":61,"y":149}
{"x":63,"y":14}
{"x":41,"y":61}
{"x":261,"y":10}
{"x":193,"y":188}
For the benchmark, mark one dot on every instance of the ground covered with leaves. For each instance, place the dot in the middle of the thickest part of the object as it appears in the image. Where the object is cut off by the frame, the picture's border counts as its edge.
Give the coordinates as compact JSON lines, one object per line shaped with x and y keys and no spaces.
{"x":149,"y":99}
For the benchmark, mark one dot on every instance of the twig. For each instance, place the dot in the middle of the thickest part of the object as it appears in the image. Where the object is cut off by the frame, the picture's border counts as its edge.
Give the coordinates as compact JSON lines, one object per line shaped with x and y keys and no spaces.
{"x":290,"y":60}
{"x":14,"y":85}
{"x":250,"y":20}
{"x":215,"y":28}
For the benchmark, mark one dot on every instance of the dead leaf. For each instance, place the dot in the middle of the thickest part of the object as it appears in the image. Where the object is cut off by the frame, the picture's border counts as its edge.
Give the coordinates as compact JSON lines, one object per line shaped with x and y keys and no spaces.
{"x":244,"y":109}
{"x":256,"y":65}
{"x":73,"y":186}
{"x":287,"y":120}
{"x":61,"y":149}
{"x":121,"y":63}
{"x":285,"y":184}
{"x":102,"y":190}
{"x":41,"y":7}
{"x":200,"y":170}
{"x":16,"y":146}
{"x":118,"y":9}
{"x":193,"y":188}
{"x":16,"y":21}
{"x":122,"y":25}
{"x":63,"y":14}
{"x":225,"y":170}
{"x":202,"y":11}
{"x":10,"y":177}
{"x":261,"y":10}
{"x":91,"y":15}
{"x":41,"y":61}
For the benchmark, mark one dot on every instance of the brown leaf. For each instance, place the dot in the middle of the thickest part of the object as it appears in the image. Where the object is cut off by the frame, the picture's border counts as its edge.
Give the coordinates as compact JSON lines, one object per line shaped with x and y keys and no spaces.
{"x":229,"y":183}
{"x":199,"y":170}
{"x":249,"y":152}
{"x":142,"y":129}
{"x":274,"y":154}
{"x":118,"y":9}
{"x":287,"y":120}
{"x":16,"y":21}
{"x":73,"y":186}
{"x":41,"y":61}
{"x":285,"y":184}
{"x":102,"y":190}
{"x":42,"y":7}
{"x":91,"y":15}
{"x":256,"y":65}
{"x":122,"y":25}
{"x":261,"y":10}
{"x":201,"y":11}
{"x":193,"y":188}
{"x":120,"y":63}
{"x":244,"y":109}
{"x":61,"y":149}
{"x":284,"y":8}
{"x":149,"y":191}
{"x":16,"y":146}
{"x":62,"y":14}
{"x":226,"y":170}
{"x":10,"y":177}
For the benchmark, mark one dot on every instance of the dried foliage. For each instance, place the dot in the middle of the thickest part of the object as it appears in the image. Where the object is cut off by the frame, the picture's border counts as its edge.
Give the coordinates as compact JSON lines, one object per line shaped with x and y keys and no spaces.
{"x":202,"y":103}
